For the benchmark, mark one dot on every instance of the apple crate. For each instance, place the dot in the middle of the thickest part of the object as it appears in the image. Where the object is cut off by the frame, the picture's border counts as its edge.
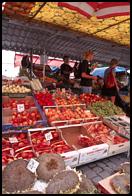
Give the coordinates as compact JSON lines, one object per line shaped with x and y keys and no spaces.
{"x":71,"y":157}
{"x":88,"y":154}
{"x":28,"y":102}
{"x":74,"y":109}
{"x":7,"y":120}
{"x":7,"y":151}
{"x":19,"y":144}
{"x":73,"y":122}
{"x":73,"y":106}
{"x":43,"y":139}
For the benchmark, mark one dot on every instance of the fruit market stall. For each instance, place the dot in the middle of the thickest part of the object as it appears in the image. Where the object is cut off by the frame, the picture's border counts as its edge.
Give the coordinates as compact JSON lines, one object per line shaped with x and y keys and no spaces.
{"x":48,"y":133}
{"x":95,"y":121}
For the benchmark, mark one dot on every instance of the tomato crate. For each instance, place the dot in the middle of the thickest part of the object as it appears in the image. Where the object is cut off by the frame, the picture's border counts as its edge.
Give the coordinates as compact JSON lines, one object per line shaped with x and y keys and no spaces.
{"x":64,"y":115}
{"x":13,"y":103}
{"x":11,"y":119}
{"x":58,"y":145}
{"x":87,"y":154}
{"x":18,"y":145}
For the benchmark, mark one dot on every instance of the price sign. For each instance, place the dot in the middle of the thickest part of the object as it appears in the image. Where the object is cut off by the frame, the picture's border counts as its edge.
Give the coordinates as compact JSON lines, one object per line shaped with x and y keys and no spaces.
{"x":32,"y":165}
{"x":63,"y":90}
{"x":13,"y":140}
{"x":48,"y":136}
{"x":12,"y":152}
{"x":20,"y":107}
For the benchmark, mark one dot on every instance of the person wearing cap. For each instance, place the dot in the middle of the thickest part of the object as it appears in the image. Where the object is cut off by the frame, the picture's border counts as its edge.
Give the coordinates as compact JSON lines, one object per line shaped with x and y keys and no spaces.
{"x":86,"y":68}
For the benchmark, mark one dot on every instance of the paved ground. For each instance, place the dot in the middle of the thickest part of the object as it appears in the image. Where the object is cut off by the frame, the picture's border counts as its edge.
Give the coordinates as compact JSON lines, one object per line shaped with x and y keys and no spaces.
{"x":101,"y":169}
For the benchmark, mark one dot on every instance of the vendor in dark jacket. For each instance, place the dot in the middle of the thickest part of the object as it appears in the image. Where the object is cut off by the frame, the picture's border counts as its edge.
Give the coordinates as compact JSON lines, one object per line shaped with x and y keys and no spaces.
{"x":86,"y":67}
{"x":66,"y":69}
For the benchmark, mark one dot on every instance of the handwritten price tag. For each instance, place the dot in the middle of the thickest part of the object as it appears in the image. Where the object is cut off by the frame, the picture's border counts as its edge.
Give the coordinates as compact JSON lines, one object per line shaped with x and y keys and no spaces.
{"x":48,"y":136}
{"x":63,"y":90}
{"x":32,"y":165}
{"x":13,"y":140}
{"x":12,"y":152}
{"x":20,"y":107}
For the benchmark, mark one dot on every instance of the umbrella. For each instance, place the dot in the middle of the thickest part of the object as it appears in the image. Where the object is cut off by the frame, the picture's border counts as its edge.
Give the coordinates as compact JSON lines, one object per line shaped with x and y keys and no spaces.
{"x":100,"y":71}
{"x":99,"y":9}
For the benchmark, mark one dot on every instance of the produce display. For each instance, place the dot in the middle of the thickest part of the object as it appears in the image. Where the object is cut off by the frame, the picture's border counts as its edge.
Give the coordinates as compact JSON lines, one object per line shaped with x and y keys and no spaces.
{"x":15,"y":147}
{"x":25,"y":118}
{"x":85,"y":141}
{"x":39,"y":142}
{"x":102,"y":133}
{"x":91,"y":98}
{"x":70,"y":100}
{"x":55,"y":145}
{"x":46,"y":146}
{"x":44,"y":98}
{"x":12,"y":103}
{"x":67,"y":113}
{"x":7,"y":155}
{"x":121,"y":127}
{"x":61,"y":147}
{"x":106,"y":108}
{"x":15,"y":89}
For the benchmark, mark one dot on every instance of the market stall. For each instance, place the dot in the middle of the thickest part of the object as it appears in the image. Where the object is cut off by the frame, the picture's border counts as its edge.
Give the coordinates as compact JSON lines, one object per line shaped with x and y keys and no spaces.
{"x":47,"y":133}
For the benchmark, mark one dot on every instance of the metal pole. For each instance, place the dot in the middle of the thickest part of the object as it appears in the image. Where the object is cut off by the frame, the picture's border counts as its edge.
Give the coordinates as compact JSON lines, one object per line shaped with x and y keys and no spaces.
{"x":44,"y":60}
{"x":31,"y":60}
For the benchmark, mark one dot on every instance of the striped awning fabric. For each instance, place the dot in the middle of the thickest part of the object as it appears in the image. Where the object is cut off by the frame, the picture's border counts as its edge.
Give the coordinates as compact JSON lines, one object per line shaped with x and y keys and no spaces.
{"x":99,"y":9}
{"x":104,"y":20}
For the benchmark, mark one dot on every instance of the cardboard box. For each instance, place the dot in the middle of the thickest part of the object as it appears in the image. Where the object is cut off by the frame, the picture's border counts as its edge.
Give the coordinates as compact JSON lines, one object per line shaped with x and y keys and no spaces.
{"x":93,"y":153}
{"x":104,"y":185}
{"x":71,"y":158}
{"x":88,"y":154}
{"x":118,"y":148}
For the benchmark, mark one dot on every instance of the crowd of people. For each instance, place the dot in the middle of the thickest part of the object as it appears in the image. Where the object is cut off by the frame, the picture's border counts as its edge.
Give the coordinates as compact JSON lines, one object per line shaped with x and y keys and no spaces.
{"x":109,"y":84}
{"x":82,"y":70}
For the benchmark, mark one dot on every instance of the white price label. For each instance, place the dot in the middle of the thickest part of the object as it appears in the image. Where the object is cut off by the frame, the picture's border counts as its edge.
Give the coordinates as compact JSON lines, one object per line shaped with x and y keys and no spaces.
{"x":12,"y":152}
{"x":63,"y":90}
{"x":48,"y":136}
{"x":20,"y":107}
{"x":32,"y":165}
{"x":13,"y":140}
